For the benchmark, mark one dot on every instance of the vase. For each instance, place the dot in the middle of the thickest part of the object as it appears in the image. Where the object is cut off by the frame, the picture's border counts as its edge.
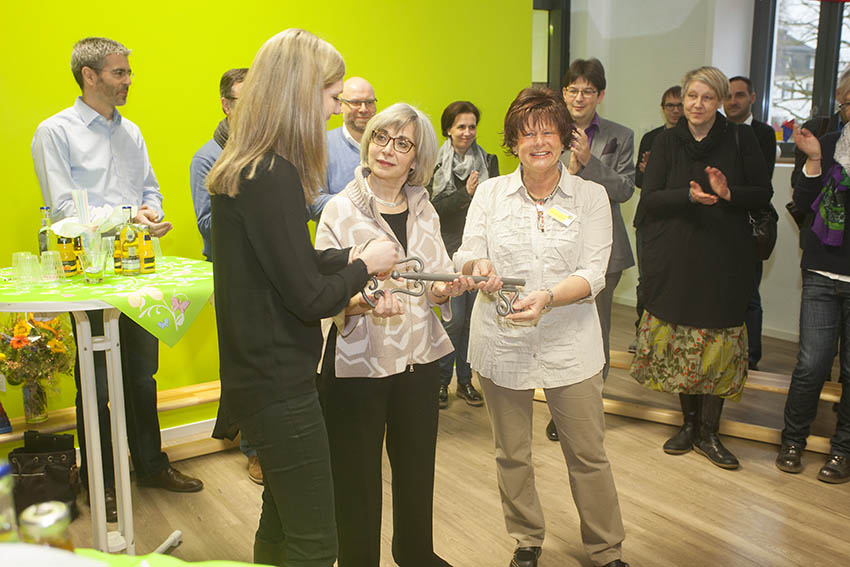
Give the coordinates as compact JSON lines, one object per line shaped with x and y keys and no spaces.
{"x":35,"y":403}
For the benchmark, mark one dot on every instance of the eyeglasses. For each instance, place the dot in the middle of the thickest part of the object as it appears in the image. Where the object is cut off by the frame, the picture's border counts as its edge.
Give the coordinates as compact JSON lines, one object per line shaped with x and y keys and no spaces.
{"x":843,"y":105}
{"x":673,"y":105}
{"x":400,"y":143}
{"x":587,"y":93}
{"x":370,"y":103}
{"x":120,"y":74}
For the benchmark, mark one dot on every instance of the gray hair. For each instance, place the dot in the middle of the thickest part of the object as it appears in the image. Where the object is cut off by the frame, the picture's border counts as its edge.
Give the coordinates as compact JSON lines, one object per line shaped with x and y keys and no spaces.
{"x":92,"y":52}
{"x":396,"y":117}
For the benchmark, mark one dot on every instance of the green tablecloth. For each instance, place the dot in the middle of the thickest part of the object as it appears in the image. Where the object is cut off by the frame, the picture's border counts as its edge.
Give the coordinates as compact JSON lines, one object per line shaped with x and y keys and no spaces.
{"x":164,"y":303}
{"x":152,"y":560}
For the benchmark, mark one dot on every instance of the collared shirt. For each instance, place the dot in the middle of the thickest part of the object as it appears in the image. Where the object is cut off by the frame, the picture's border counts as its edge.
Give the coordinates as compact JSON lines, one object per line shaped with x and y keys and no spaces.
{"x":349,"y":137}
{"x":565,"y":347}
{"x":592,"y":129}
{"x":199,"y":168}
{"x":343,"y":159}
{"x":80,"y":149}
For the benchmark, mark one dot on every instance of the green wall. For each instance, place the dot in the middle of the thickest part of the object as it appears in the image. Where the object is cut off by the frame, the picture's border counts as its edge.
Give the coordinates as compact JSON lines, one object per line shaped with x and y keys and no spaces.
{"x":425,"y":52}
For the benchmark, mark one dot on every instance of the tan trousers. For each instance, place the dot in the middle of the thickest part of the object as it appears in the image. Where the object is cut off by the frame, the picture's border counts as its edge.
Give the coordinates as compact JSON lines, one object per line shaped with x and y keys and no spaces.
{"x":577,"y":411}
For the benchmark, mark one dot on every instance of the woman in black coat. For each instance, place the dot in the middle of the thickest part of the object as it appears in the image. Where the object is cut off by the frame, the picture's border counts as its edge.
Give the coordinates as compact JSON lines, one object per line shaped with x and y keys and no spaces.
{"x":702,"y":177}
{"x":272,"y":288}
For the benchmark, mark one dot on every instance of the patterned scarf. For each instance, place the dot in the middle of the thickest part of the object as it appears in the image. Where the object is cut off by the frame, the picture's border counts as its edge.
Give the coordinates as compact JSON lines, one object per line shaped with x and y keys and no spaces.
{"x":222,"y":132}
{"x":475,"y":159}
{"x":830,"y":206}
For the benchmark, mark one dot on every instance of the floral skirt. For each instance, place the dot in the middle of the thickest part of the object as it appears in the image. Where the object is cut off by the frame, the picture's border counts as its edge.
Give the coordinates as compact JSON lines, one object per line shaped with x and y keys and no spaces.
{"x":690,"y":360}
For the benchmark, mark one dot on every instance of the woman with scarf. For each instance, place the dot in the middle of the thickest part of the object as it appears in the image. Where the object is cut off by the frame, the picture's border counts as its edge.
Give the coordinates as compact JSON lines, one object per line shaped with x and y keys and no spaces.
{"x":825,"y":305}
{"x":698,"y":255}
{"x":461,"y":166}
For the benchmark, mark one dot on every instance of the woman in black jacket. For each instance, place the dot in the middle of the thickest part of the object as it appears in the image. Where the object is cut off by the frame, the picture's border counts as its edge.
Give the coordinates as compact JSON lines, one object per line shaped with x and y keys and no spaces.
{"x":272,"y":288}
{"x":698,"y":256}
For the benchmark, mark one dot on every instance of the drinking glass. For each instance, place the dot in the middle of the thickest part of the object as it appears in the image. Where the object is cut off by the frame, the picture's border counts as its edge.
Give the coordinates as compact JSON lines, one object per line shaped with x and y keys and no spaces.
{"x":25,"y":268}
{"x":51,"y":266}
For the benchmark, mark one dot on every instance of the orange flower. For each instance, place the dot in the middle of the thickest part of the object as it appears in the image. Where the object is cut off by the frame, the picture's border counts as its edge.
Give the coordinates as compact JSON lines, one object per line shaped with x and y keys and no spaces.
{"x":19,"y":342}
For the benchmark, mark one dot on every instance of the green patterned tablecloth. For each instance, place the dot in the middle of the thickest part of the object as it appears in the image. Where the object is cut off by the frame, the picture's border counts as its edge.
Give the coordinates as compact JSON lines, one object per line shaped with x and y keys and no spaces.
{"x":165,"y":303}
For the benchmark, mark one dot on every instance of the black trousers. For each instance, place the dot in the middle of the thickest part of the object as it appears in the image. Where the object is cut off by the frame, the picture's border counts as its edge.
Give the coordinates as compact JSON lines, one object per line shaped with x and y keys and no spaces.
{"x":139,"y":362}
{"x":358,"y":411}
{"x":298,"y":511}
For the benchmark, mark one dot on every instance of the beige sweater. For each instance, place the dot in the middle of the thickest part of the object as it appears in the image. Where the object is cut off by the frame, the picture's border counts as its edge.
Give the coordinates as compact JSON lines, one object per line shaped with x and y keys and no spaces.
{"x":375,"y":347}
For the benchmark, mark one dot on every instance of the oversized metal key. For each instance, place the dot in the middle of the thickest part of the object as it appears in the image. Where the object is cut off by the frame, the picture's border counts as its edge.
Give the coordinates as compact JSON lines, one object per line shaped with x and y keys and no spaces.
{"x":507,"y":294}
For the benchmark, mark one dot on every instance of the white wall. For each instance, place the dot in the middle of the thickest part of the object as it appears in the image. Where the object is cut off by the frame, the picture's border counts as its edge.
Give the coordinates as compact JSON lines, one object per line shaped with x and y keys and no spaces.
{"x":646,"y":47}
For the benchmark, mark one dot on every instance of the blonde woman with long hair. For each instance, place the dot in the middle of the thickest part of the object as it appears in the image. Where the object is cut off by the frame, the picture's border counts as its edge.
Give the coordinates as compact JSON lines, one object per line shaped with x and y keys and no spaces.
{"x":272,"y":288}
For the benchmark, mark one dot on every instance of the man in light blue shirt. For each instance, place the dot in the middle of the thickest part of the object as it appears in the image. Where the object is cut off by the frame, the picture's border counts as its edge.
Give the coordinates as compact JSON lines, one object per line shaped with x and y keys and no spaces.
{"x":229,"y":88}
{"x":358,"y":106}
{"x":91,"y":147}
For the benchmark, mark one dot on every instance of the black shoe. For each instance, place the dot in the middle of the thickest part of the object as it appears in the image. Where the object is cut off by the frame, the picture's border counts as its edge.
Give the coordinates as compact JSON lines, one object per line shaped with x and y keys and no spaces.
{"x":708,"y":445}
{"x":616,"y":563}
{"x":173,"y":480}
{"x":751,"y":365}
{"x":111,"y":505}
{"x":525,"y":557}
{"x":444,"y":397}
{"x":835,"y":470}
{"x":469,"y":394}
{"x":683,"y":440}
{"x":789,"y":458}
{"x":551,"y":431}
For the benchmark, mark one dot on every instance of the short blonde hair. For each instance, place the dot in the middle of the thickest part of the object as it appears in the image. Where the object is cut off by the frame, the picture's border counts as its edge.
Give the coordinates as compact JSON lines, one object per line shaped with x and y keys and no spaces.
{"x":396,"y":117}
{"x":711,"y":76}
{"x":281,"y":110}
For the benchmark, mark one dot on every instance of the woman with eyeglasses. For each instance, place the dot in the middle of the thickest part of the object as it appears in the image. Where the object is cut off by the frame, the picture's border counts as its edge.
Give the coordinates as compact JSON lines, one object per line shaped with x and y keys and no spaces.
{"x":380,"y":372}
{"x":698,"y":255}
{"x":461,"y":166}
{"x":273,"y":288}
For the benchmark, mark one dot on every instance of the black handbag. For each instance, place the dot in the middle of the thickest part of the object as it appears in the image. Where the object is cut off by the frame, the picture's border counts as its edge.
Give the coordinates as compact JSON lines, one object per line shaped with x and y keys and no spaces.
{"x":45,"y":469}
{"x":764,"y":223}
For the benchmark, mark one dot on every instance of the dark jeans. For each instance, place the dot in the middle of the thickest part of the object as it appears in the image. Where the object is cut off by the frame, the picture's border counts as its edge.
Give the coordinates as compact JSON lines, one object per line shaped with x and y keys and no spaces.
{"x":358,"y":413}
{"x":753,"y":317}
{"x":139,"y":362}
{"x":458,"y":331}
{"x":638,"y":298}
{"x":298,"y":495}
{"x":824,"y":318}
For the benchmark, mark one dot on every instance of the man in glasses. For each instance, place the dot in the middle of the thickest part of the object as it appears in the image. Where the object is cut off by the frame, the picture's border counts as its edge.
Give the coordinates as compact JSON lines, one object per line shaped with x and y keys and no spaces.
{"x":229,"y":88}
{"x":738,"y":108}
{"x":92,"y":147}
{"x":601,"y":151}
{"x":358,"y":106}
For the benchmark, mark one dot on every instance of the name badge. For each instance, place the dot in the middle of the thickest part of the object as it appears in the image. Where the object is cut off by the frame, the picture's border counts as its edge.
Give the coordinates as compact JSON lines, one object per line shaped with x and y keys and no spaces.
{"x":561,"y":215}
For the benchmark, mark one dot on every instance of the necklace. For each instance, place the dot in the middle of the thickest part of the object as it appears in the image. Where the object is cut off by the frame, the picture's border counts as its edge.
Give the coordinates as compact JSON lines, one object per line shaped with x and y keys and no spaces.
{"x":382,"y":201}
{"x":539,"y":205}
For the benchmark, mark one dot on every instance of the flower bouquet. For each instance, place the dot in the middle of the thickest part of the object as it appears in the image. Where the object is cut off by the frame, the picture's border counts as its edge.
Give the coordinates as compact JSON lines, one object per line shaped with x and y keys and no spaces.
{"x":32,"y":353}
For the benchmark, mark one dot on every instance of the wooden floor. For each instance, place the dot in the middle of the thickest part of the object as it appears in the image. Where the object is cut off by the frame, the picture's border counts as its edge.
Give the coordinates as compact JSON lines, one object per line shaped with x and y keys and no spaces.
{"x":677,"y":510}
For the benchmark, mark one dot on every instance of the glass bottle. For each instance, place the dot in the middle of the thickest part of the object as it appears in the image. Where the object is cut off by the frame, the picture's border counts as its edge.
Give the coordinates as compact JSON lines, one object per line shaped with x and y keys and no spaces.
{"x":8,"y":525}
{"x":66,"y":253}
{"x":130,"y":242}
{"x":44,"y":231}
{"x":146,"y":254}
{"x":46,"y":523}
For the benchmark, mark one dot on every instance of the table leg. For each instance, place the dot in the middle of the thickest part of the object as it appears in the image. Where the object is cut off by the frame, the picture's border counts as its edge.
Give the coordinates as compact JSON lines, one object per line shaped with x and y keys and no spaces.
{"x":88,"y":384}
{"x":112,"y":346}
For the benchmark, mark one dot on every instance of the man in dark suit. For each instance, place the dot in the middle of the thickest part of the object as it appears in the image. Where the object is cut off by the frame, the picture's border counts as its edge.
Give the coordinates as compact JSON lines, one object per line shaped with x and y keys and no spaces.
{"x":738,"y":109}
{"x":601,"y":151}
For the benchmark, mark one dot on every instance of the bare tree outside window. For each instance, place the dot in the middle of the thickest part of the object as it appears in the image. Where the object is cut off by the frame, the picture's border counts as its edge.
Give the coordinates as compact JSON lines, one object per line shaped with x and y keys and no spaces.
{"x":794,"y":59}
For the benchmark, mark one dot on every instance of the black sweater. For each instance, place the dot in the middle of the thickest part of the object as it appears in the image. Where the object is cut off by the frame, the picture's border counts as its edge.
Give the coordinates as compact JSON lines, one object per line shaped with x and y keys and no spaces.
{"x":271,"y":289}
{"x":697,"y":259}
{"x":452,"y":207}
{"x":816,"y":254}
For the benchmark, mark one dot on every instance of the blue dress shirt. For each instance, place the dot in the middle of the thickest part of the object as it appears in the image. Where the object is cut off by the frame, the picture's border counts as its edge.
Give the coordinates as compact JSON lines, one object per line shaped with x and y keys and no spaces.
{"x":79,"y":149}
{"x":202,"y":163}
